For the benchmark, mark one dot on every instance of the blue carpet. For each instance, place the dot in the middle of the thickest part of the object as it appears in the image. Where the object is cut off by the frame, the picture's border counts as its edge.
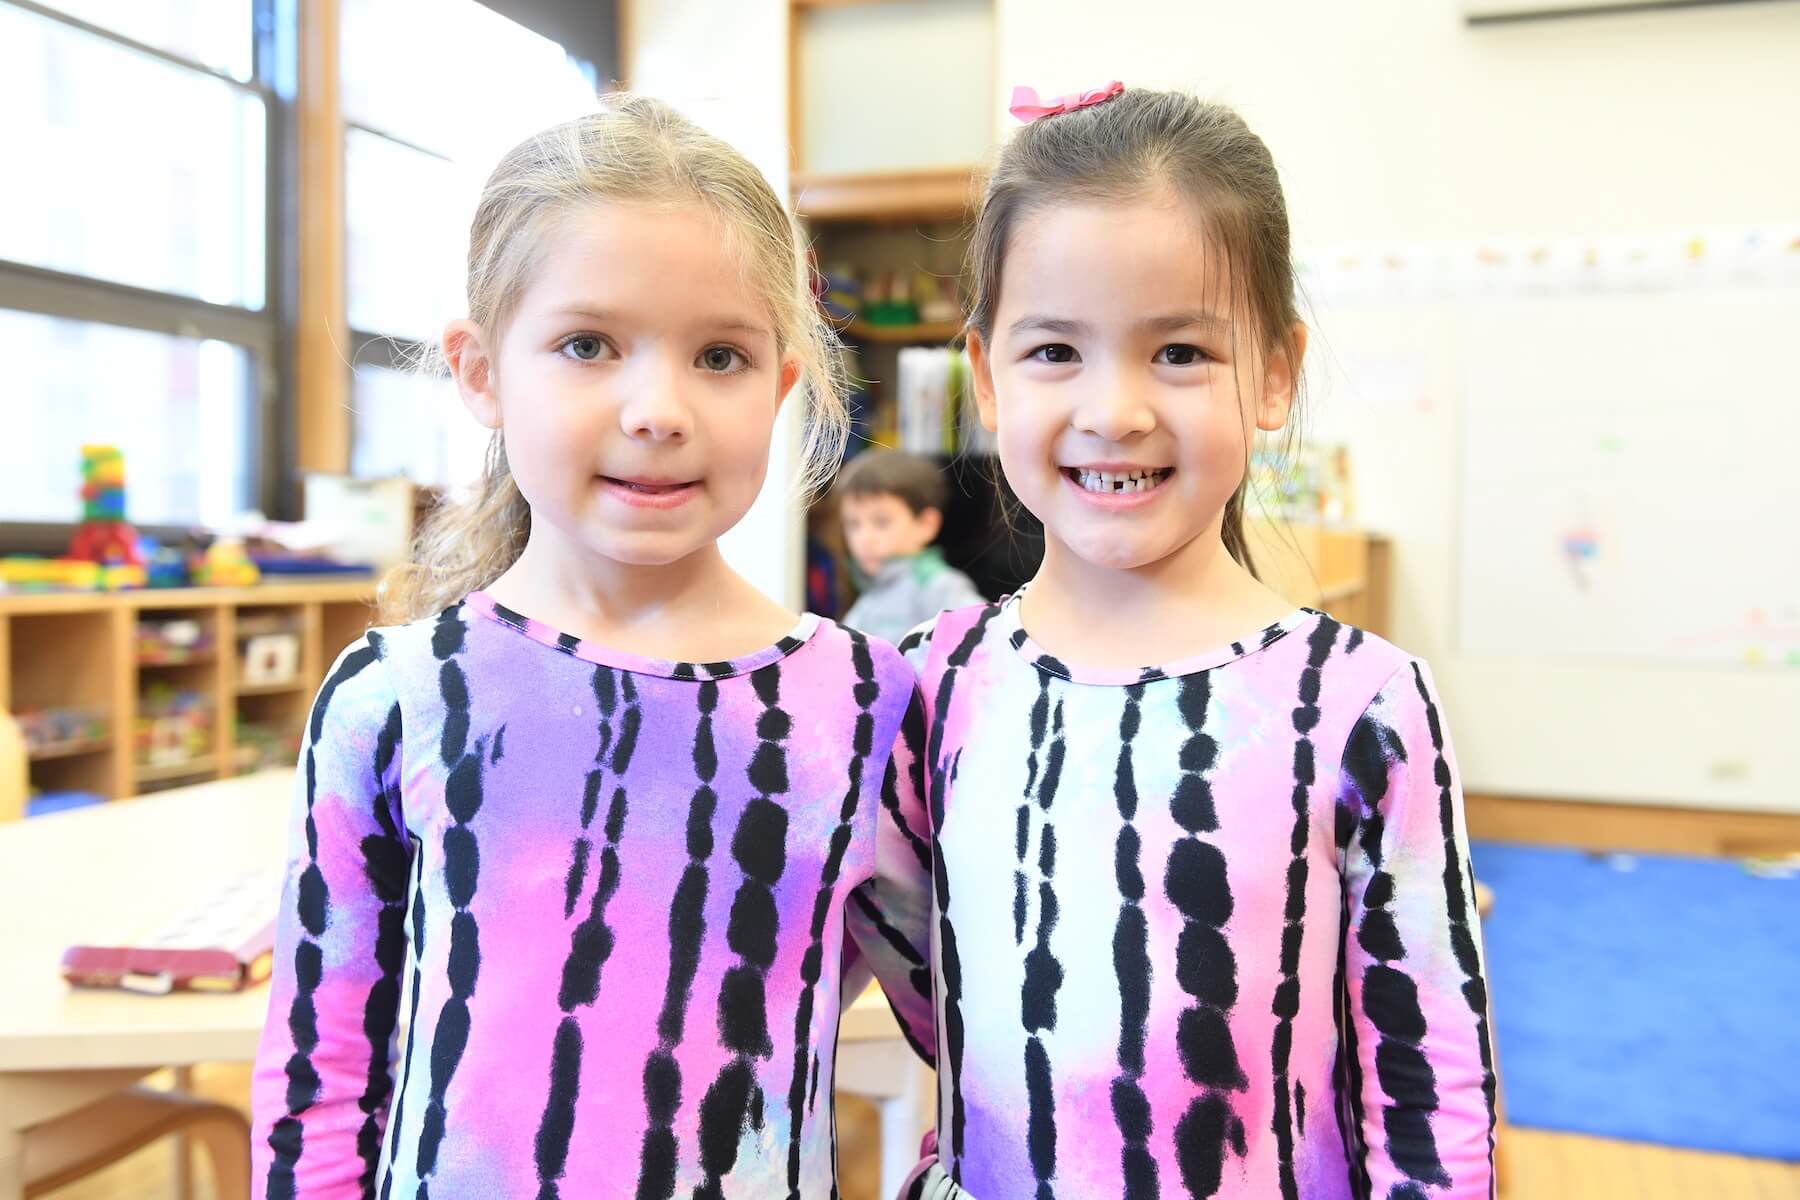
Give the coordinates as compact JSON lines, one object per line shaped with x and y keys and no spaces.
{"x":1653,"y":998}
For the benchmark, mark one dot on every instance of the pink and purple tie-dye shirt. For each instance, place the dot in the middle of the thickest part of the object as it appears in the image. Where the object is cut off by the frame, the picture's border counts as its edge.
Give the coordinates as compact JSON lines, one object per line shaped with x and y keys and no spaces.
{"x":1204,"y":929}
{"x":612,"y":893}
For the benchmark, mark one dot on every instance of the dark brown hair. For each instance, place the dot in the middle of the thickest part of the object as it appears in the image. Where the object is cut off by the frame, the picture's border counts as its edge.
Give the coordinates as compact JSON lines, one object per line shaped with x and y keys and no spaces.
{"x":1145,"y":143}
{"x":918,"y":482}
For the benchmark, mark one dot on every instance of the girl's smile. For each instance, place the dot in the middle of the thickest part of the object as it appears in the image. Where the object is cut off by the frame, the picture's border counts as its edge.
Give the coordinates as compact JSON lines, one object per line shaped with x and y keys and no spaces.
{"x":1117,"y":488}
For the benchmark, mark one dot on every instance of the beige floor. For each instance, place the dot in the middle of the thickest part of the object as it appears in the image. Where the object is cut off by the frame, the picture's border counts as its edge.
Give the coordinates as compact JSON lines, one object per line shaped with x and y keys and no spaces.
{"x":1547,"y":1166}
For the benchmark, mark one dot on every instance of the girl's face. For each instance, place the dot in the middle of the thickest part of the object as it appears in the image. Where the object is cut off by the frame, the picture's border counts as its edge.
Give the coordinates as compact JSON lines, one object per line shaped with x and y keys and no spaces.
{"x":1123,"y":403}
{"x":636,"y":383}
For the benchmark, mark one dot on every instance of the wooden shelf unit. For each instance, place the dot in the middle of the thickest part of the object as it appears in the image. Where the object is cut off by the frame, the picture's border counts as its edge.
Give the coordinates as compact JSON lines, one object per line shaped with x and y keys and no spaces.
{"x":1340,"y":571}
{"x":926,"y":333}
{"x":68,"y":649}
{"x":887,"y":197}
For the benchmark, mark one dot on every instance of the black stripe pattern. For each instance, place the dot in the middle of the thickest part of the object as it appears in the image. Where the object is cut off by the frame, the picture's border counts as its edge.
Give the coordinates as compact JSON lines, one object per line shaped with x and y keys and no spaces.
{"x":1459,"y":892}
{"x":1196,"y":883}
{"x":1043,"y":975}
{"x":1287,"y":993}
{"x":943,"y":773}
{"x":759,"y":847}
{"x":462,"y":872}
{"x":1390,"y":997}
{"x":387,"y":862}
{"x":864,"y":693}
{"x":1131,"y":966}
{"x":591,"y":943}
{"x":313,"y":900}
{"x":687,"y":930}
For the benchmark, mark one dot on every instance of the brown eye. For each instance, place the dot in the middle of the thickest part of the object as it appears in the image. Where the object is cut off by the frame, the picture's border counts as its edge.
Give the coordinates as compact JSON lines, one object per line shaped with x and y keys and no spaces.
{"x":1056,"y":353}
{"x":1182,"y":355}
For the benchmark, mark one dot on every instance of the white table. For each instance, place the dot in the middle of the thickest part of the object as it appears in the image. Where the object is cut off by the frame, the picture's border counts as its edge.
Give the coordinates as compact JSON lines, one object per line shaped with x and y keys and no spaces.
{"x":106,"y":872}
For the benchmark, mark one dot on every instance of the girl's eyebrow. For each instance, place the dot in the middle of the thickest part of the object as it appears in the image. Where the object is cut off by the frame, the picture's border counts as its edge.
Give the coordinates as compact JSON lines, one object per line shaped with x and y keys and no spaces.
{"x":1170,"y":322}
{"x":1161,"y":323}
{"x":716,"y":321}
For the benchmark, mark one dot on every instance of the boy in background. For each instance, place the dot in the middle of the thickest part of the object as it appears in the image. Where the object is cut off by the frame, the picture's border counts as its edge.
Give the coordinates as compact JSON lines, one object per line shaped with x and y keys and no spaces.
{"x":893,"y":508}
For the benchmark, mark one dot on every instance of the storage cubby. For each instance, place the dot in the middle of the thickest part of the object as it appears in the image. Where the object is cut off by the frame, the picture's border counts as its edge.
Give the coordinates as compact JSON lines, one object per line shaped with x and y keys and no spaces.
{"x":124,"y":693}
{"x":178,"y":655}
{"x":340,"y":623}
{"x":64,"y":684}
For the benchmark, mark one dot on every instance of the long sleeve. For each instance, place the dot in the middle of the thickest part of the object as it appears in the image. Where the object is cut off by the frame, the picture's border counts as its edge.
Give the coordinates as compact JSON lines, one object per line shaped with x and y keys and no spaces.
{"x":1421,"y":1081}
{"x":323,"y":1073}
{"x":889,"y":917}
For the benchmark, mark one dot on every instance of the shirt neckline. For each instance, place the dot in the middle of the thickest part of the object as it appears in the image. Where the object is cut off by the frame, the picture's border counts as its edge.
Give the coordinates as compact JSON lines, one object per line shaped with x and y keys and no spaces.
{"x":1008,"y":624}
{"x":484,"y":605}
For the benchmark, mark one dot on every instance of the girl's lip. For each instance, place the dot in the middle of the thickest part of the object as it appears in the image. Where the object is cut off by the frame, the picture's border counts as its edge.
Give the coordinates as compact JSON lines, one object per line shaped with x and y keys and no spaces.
{"x":1114,"y":501}
{"x":649,"y":492}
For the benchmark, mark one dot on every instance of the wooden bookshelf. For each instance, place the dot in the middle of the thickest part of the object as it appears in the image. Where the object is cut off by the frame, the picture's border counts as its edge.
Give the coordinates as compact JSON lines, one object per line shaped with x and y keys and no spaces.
{"x":927,"y":333}
{"x":70,"y":749}
{"x":80,"y":650}
{"x":1340,"y":571}
{"x":937,"y":194}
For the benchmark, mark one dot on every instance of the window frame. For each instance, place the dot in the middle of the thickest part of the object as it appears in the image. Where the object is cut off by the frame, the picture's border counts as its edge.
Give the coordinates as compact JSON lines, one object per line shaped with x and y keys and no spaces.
{"x":264,"y":332}
{"x":370,"y":347}
{"x":560,"y":21}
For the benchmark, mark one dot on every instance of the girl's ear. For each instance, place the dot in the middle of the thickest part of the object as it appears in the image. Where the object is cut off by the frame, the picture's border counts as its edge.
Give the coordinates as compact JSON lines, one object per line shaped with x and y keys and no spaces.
{"x":472,"y":366}
{"x":982,"y":371}
{"x":1281,"y":374}
{"x":790,"y":375}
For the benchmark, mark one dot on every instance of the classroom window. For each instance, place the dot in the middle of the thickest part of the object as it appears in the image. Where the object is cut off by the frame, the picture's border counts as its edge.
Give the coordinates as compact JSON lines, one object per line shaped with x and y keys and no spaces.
{"x":419,"y":141}
{"x":403,"y":271}
{"x":218,"y":33}
{"x":392,"y":405}
{"x":134,"y":169}
{"x":182,"y":409}
{"x":135,"y":256}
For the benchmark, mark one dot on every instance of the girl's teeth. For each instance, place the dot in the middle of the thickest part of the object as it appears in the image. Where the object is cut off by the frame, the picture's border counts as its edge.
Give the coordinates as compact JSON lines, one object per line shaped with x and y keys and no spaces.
{"x":1118,"y":482}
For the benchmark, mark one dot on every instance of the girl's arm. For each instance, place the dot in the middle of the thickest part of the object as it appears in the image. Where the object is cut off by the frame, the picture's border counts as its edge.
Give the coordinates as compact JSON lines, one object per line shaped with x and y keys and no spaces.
{"x":324,"y":1070}
{"x":1422,"y":1080}
{"x":889,"y":917}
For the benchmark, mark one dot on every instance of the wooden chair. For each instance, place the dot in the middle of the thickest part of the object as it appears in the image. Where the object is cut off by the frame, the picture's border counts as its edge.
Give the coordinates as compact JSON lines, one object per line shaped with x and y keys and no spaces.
{"x":72,"y":1147}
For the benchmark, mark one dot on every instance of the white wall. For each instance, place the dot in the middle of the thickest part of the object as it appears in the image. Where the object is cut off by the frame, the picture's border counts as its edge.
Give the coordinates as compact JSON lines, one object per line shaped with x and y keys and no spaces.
{"x":725,"y":66}
{"x":1395,"y":120}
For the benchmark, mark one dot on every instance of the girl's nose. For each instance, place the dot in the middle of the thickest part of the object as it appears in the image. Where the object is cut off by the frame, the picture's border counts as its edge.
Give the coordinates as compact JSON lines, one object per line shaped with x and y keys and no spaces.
{"x":656,"y":407}
{"x":1116,"y":409}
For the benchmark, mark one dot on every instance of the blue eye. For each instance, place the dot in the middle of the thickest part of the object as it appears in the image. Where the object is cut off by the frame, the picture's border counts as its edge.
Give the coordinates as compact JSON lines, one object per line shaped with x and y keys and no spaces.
{"x":1182,"y":355}
{"x":584,"y":347}
{"x":1056,"y":353}
{"x":723,"y":360}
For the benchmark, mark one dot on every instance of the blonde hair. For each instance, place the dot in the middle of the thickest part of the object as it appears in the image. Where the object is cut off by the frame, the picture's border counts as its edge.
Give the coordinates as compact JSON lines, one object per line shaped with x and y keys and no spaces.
{"x":634,"y":150}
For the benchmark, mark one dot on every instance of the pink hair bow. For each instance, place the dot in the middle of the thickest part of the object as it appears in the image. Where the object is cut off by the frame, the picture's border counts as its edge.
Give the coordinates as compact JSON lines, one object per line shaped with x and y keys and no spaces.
{"x":1027,"y":106}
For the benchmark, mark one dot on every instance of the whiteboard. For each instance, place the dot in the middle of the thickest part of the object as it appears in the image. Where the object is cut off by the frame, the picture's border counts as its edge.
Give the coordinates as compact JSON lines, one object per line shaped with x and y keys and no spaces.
{"x":1630,"y":476}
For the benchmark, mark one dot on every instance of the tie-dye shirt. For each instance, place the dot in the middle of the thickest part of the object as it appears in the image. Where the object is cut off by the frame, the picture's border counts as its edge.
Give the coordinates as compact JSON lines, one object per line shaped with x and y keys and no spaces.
{"x":1205,"y":929}
{"x":612,"y":891}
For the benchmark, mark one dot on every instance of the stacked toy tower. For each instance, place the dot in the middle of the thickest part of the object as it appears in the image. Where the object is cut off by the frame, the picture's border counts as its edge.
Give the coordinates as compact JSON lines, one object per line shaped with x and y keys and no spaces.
{"x":104,"y":536}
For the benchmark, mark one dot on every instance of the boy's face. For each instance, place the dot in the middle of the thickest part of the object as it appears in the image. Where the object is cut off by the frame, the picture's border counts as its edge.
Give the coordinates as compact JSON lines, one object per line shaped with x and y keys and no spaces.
{"x":881,"y":526}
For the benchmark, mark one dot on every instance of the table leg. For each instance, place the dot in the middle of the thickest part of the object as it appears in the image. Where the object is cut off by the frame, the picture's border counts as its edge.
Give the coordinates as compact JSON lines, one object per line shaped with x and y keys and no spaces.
{"x":12,"y":1162}
{"x":902,"y":1125}
{"x":182,"y":1147}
